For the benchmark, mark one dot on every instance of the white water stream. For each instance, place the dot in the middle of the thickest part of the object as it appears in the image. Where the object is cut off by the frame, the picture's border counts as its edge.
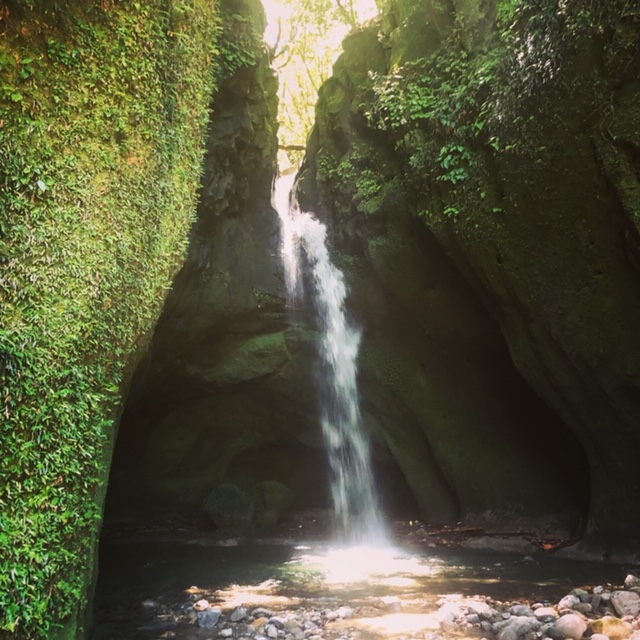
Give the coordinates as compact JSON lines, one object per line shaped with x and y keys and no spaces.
{"x":303,"y":244}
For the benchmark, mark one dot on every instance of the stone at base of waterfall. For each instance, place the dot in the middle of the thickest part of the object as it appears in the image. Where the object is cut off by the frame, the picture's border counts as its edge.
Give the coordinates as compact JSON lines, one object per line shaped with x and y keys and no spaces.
{"x":239,"y":614}
{"x":345,"y":612}
{"x":208,"y":618}
{"x":521,"y":610}
{"x":632,"y":583}
{"x":613,"y":628}
{"x":568,"y":602}
{"x":626,"y":603}
{"x":225,"y":633}
{"x":545,"y":614}
{"x":570,"y":625}
{"x":516,"y":627}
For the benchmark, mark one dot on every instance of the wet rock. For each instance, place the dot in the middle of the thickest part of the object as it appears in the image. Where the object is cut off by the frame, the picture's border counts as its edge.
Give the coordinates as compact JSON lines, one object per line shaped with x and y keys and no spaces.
{"x":261,"y":612}
{"x":518,"y":627}
{"x":201,"y":605}
{"x":571,"y":626}
{"x":239,"y":614}
{"x":271,"y":630}
{"x":208,"y":618}
{"x":568,"y":602}
{"x":259,"y":623}
{"x":521,"y":610}
{"x":345,"y":612}
{"x":632,"y":582}
{"x":278,"y":622}
{"x":598,"y":590}
{"x":546,"y":614}
{"x":583,"y":607}
{"x":225,"y":633}
{"x":613,"y":628}
{"x":581,"y":594}
{"x":473,"y":618}
{"x":595,"y":602}
{"x":626,"y":603}
{"x":482,"y":609}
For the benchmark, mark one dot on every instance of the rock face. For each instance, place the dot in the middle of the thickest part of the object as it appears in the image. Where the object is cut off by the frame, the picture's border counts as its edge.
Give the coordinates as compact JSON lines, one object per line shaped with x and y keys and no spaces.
{"x":480,"y":170}
{"x":227,"y":393}
{"x":200,"y":410}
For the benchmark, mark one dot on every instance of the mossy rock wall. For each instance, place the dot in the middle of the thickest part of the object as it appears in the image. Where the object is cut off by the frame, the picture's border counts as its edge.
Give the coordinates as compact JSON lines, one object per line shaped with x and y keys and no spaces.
{"x":103,"y":114}
{"x":485,"y":157}
{"x":226,"y":393}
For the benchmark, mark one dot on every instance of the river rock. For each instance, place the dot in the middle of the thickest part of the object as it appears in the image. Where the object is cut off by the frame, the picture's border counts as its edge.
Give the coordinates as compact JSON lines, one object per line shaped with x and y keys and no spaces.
{"x":261,"y":612}
{"x":239,"y":614}
{"x":345,"y":612}
{"x":201,"y":605}
{"x":521,"y":610}
{"x":546,"y":614}
{"x":599,"y":636}
{"x":271,"y":630}
{"x":568,"y":626}
{"x":225,"y":633}
{"x":632,"y":582}
{"x":626,"y":603}
{"x":583,"y":607}
{"x":568,"y":602}
{"x":517,"y":627}
{"x":482,"y":609}
{"x":208,"y":618}
{"x":581,"y":594}
{"x":613,"y":628}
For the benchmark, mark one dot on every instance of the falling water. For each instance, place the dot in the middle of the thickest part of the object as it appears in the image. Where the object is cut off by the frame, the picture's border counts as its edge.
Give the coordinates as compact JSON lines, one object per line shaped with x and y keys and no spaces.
{"x":352,"y":485}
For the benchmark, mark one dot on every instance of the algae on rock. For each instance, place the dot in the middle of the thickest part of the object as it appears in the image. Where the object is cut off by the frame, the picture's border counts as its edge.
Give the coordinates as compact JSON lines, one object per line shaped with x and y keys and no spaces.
{"x":508,"y":132}
{"x":103,"y":113}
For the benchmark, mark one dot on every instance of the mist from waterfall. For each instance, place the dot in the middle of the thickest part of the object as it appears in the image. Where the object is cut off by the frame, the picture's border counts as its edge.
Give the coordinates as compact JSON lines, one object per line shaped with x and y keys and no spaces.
{"x":303,"y":244}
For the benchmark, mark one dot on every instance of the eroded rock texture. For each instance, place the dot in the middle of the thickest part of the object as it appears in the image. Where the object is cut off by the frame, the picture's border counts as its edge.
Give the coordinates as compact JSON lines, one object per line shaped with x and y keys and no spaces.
{"x":480,"y":168}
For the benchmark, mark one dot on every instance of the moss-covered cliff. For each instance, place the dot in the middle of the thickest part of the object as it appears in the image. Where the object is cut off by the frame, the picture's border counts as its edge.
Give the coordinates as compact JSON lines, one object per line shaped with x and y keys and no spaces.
{"x":103,"y":112}
{"x":509,"y":132}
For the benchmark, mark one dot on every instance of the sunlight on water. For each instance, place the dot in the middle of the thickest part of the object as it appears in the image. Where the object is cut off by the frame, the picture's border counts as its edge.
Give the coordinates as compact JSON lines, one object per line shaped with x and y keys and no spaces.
{"x":380,"y":565}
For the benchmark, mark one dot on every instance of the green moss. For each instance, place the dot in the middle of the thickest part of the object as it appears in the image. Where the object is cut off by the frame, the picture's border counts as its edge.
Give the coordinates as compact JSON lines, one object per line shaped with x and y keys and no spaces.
{"x":103,"y":111}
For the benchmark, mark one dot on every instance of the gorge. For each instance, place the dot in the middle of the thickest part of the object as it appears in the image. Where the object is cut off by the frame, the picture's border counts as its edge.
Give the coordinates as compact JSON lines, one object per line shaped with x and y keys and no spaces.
{"x":477,"y":167}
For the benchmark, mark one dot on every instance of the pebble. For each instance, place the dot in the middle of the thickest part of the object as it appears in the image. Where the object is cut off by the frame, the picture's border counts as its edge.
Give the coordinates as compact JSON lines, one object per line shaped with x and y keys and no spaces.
{"x":632,"y":582}
{"x":225,"y":633}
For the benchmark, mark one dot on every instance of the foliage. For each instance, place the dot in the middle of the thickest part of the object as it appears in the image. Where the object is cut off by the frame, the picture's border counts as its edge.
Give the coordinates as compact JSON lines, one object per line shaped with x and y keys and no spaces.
{"x":103,"y":110}
{"x":449,"y":112}
{"x":359,"y":179}
{"x":308,"y":43}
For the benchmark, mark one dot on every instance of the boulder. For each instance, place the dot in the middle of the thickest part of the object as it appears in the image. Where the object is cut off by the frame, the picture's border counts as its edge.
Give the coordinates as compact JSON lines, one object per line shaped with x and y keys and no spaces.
{"x":229,"y":506}
{"x":570,"y":626}
{"x":613,"y":628}
{"x":626,"y":603}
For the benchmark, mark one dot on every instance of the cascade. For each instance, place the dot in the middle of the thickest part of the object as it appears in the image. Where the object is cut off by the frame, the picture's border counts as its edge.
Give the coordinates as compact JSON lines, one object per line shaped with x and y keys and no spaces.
{"x":303,"y":243}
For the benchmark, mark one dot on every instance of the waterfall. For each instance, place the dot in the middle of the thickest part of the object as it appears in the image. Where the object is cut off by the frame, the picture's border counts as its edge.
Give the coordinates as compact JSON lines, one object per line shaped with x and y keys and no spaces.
{"x":352,"y":484}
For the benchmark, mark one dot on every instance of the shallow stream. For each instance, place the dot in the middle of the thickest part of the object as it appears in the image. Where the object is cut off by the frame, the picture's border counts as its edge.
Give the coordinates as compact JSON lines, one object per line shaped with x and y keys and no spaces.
{"x":145,"y":589}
